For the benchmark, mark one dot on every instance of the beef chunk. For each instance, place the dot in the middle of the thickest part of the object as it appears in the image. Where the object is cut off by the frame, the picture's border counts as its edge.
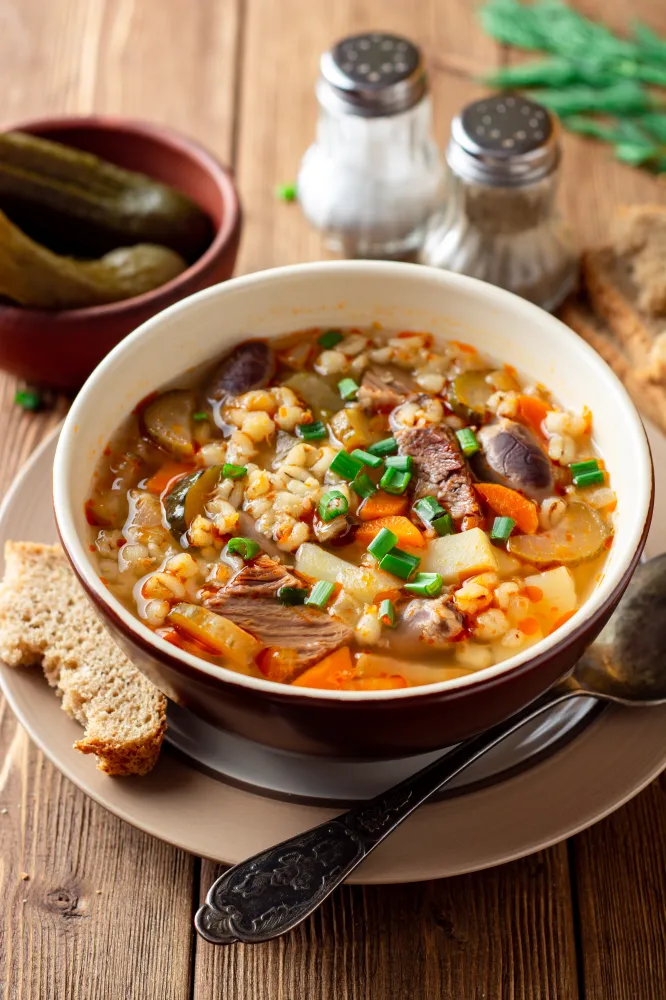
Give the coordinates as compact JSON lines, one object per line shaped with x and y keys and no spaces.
{"x":442,"y":470}
{"x":249,"y":600}
{"x":384,"y":388}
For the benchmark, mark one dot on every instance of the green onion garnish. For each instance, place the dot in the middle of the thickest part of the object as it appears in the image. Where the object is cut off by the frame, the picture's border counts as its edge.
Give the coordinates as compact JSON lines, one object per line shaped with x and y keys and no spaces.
{"x":312,"y":432}
{"x":332,"y":504}
{"x":394,"y":481}
{"x":347,"y":388}
{"x":230,"y":471}
{"x":246,"y":548}
{"x":589,"y":465}
{"x":502,"y":528}
{"x":345,"y":466}
{"x":427,"y":509}
{"x":320,"y":594}
{"x":425,"y":584}
{"x":584,"y":479}
{"x":386,"y":447}
{"x":286,"y":192}
{"x":363,"y":486}
{"x":372,"y":461}
{"x":467,"y":441}
{"x":387,"y":613}
{"x":402,"y":463}
{"x":291,"y":595}
{"x":400,"y":563}
{"x":28,"y":399}
{"x":443,"y":525}
{"x":198,"y":417}
{"x":330,"y":338}
{"x":382,"y":543}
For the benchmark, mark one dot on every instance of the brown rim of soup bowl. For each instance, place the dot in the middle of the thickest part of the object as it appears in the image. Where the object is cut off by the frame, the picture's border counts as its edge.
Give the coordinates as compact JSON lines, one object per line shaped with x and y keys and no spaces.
{"x":60,"y":348}
{"x":361,"y":724}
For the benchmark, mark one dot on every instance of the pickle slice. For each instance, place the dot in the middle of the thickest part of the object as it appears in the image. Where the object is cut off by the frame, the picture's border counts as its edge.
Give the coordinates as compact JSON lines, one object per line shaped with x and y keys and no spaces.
{"x":168,"y":422}
{"x":469,"y":393}
{"x":579,"y":537}
{"x":188,"y":498}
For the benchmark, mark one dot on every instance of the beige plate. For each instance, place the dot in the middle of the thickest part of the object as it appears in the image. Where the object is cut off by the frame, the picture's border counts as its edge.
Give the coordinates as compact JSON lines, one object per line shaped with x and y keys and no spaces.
{"x":612,"y":760}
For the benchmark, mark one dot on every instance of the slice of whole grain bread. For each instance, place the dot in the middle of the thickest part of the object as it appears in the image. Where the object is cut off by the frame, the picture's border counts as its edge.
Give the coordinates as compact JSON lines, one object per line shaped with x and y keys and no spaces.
{"x":45,"y":617}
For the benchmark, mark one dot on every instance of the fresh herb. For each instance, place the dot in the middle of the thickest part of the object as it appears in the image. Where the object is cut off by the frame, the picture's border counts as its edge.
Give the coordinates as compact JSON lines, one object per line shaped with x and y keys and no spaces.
{"x":427,"y":509}
{"x":291,"y":595}
{"x":286,"y":192}
{"x":230,"y":471}
{"x":330,"y":338}
{"x":372,"y":461}
{"x":332,"y":504}
{"x":501,"y":529}
{"x":399,"y":563}
{"x":387,"y":613}
{"x":363,"y":486}
{"x":467,"y":441}
{"x":394,"y":481}
{"x":586,"y":479}
{"x":320,"y":593}
{"x":403,"y":463}
{"x":199,"y":417}
{"x":425,"y":585}
{"x":345,"y":466}
{"x":312,"y":432}
{"x":347,"y":388}
{"x":386,"y":447}
{"x":28,"y":399}
{"x":443,"y":525}
{"x":382,"y":543}
{"x":246,"y":548}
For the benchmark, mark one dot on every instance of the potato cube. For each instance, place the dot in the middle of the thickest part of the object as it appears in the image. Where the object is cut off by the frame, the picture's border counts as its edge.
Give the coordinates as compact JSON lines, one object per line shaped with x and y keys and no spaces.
{"x":461,"y":555}
{"x":558,"y":592}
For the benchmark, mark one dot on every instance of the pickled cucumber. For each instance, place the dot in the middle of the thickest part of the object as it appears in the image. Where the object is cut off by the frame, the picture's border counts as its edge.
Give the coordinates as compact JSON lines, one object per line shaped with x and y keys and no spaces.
{"x":32,"y":276}
{"x":77,"y":204}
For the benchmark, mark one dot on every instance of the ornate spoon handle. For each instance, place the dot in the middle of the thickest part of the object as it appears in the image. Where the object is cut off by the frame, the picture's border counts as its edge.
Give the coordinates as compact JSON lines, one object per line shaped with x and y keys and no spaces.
{"x":271,"y":893}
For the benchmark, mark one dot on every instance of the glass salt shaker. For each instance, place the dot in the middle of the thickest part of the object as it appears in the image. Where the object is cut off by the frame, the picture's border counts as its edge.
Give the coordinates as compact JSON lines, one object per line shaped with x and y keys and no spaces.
{"x":374,"y":175}
{"x":498,"y":220}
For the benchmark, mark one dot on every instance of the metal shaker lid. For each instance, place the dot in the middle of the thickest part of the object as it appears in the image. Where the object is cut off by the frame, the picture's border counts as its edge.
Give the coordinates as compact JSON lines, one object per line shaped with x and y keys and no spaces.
{"x":372,"y":75}
{"x":504,"y":140}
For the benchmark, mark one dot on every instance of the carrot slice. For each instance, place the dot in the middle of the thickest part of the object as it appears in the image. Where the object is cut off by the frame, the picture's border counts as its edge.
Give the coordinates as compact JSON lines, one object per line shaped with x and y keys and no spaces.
{"x":382,"y":504}
{"x":408,"y":533}
{"x":159,"y":481}
{"x":330,"y":673}
{"x":529,"y":626}
{"x":510,"y":503}
{"x":532,"y":411}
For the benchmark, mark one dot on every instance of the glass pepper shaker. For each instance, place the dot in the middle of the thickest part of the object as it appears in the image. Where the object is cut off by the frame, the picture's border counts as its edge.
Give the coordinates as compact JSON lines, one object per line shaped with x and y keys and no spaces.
{"x":498,"y":220}
{"x":374,"y":175}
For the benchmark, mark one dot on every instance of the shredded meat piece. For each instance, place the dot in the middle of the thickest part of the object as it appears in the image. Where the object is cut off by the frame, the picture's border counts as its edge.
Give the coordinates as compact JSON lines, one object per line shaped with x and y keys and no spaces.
{"x":442,"y":470}
{"x":305,"y":634}
{"x":435,"y":623}
{"x":382,"y":389}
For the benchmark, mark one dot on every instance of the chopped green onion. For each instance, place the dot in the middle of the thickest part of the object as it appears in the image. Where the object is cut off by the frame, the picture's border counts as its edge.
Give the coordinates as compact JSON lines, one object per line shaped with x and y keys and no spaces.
{"x":467,"y":441}
{"x":400,"y":563}
{"x":311,"y":432}
{"x":589,"y":465}
{"x":502,"y":528}
{"x":198,"y":417}
{"x":330,"y":338}
{"x":363,"y":486}
{"x":427,"y":509}
{"x":386,"y":613}
{"x":443,"y":525}
{"x":347,"y":388}
{"x":386,"y":447}
{"x":286,"y":192}
{"x":332,"y":504}
{"x":344,"y":465}
{"x":246,"y":548}
{"x":382,"y":543}
{"x":320,"y":594}
{"x":230,"y":471}
{"x":402,"y":463}
{"x":291,"y":595}
{"x":372,"y":461}
{"x":28,"y":399}
{"x":425,"y":584}
{"x":584,"y":479}
{"x":394,"y":481}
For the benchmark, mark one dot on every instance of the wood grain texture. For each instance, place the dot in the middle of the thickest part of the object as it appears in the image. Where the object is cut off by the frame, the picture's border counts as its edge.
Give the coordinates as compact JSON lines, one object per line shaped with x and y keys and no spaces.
{"x":503,"y":934}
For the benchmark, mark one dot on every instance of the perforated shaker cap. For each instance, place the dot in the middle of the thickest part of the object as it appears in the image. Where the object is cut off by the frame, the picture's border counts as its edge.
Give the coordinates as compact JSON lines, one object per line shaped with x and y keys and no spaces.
{"x":504,"y":140}
{"x":372,"y":75}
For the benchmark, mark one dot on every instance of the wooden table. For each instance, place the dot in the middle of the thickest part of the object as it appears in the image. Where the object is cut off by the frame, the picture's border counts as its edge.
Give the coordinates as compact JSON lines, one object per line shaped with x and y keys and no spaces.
{"x":93,"y":909}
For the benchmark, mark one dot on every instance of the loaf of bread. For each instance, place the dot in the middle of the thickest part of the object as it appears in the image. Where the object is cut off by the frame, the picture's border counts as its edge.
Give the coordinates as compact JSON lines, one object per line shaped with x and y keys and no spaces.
{"x":46,"y":618}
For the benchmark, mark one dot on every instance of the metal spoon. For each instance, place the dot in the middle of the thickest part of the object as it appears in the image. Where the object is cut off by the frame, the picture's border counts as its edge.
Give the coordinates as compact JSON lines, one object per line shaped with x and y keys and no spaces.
{"x":275,"y":890}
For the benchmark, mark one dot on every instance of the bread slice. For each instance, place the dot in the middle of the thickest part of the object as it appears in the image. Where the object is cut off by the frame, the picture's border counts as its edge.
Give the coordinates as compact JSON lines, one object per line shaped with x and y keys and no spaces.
{"x":46,"y":618}
{"x":649,"y":397}
{"x":614,"y":297}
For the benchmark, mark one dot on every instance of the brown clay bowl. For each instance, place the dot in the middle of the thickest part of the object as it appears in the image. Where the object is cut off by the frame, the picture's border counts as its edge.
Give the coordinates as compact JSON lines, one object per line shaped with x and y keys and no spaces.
{"x":399,"y":296}
{"x":60,"y":349}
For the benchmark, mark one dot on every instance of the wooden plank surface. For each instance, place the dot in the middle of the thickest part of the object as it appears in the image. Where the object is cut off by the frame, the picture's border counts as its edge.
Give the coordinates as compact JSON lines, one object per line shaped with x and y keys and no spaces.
{"x":587,"y":921}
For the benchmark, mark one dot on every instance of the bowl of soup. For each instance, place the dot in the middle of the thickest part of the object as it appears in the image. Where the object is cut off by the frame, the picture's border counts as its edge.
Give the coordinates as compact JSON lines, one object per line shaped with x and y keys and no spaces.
{"x":353,"y":509}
